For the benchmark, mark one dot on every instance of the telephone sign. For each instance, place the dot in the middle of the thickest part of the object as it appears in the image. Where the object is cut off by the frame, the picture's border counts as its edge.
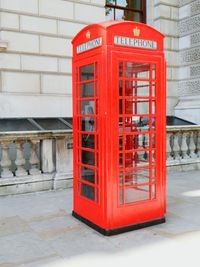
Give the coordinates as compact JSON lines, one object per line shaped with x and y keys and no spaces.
{"x":119,"y":104}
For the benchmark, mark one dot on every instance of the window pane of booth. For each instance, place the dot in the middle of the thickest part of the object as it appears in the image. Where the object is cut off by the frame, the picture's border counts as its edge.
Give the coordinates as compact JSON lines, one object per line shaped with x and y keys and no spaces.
{"x":87,"y":124}
{"x":88,"y":140}
{"x":87,"y":107}
{"x":137,"y":70}
{"x":88,"y":157}
{"x":88,"y":145}
{"x":137,"y":141}
{"x":135,"y":123}
{"x":88,"y":174}
{"x":134,"y":106}
{"x":87,"y":89}
{"x":137,"y":194}
{"x":87,"y":191}
{"x":139,"y":158}
{"x":137,"y":176}
{"x":87,"y":72}
{"x":137,"y":88}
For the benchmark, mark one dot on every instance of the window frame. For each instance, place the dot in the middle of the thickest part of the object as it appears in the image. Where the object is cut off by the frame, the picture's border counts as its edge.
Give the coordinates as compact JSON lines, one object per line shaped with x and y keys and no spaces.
{"x":142,"y":11}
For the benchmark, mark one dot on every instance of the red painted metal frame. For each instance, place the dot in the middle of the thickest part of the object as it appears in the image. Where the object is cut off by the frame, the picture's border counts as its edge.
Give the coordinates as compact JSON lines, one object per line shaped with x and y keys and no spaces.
{"x":105,"y":210}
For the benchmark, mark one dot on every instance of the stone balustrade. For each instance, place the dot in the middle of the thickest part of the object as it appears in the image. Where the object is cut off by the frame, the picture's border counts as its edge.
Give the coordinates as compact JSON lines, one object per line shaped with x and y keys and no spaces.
{"x":34,"y":161}
{"x":183,"y":147}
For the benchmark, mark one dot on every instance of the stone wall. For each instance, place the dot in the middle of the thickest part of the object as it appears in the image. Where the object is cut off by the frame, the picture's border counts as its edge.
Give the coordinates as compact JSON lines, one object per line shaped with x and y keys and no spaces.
{"x":36,"y":65}
{"x":163,"y":15}
{"x":189,"y":72}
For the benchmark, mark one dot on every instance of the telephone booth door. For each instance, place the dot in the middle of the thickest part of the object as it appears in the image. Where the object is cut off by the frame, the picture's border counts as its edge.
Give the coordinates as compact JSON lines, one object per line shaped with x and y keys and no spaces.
{"x":136,"y":111}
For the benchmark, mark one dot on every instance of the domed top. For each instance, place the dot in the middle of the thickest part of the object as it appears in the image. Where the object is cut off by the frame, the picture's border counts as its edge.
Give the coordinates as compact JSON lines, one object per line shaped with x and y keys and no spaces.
{"x":126,"y":32}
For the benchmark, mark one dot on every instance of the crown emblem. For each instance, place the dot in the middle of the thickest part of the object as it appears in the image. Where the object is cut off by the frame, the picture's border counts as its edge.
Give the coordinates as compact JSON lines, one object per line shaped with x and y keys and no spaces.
{"x":88,"y":34}
{"x":136,"y":31}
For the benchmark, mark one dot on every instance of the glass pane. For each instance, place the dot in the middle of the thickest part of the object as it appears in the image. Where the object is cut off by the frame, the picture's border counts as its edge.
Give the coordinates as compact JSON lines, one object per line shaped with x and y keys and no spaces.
{"x":153,"y":191}
{"x":133,"y":16}
{"x":136,"y":194}
{"x":88,"y":140}
{"x":134,"y":106}
{"x":137,"y":176}
{"x":88,"y":174}
{"x":121,"y":106}
{"x":121,"y":69}
{"x":137,"y":70}
{"x":87,"y":90}
{"x":136,"y":88}
{"x":153,"y":71}
{"x":135,"y":123}
{"x":120,"y":88}
{"x":87,"y":191}
{"x":139,"y":158}
{"x":123,"y":3}
{"x":120,"y":14}
{"x":87,"y":72}
{"x":121,"y":192}
{"x":137,"y":141}
{"x":120,"y":143}
{"x":87,"y":107}
{"x":88,"y":157}
{"x":109,"y":13}
{"x":153,"y":89}
{"x":135,"y":4}
{"x":87,"y":124}
{"x":153,"y":107}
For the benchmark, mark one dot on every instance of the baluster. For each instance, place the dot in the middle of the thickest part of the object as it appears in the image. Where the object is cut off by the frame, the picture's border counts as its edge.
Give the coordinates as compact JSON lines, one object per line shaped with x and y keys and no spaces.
{"x":192,"y":146}
{"x":34,"y":161}
{"x":198,"y":144}
{"x":184,"y":146}
{"x":176,"y":147}
{"x":168,"y":147}
{"x":20,"y":161}
{"x":5,"y":161}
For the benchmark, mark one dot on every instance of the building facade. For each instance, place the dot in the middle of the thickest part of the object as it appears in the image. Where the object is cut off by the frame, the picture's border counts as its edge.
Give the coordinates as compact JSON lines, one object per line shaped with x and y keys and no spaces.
{"x":36,"y":83}
{"x":36,"y":53}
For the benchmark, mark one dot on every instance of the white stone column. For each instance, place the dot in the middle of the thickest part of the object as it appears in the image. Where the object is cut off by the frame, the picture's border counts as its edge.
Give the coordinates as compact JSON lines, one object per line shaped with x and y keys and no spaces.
{"x":198,"y":145}
{"x":192,"y":146}
{"x":34,"y":161}
{"x":47,"y":156}
{"x":5,"y":161}
{"x":20,"y":161}
{"x":168,"y":147}
{"x":184,"y":146}
{"x":176,"y":147}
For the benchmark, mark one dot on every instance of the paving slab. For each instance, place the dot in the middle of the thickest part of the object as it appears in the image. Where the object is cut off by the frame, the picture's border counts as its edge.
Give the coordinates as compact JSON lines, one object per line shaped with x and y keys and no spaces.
{"x":37,"y":230}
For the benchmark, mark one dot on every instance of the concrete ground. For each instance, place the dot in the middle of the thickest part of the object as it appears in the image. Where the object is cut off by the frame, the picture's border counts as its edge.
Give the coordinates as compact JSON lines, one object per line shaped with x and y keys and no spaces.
{"x":38,"y":230}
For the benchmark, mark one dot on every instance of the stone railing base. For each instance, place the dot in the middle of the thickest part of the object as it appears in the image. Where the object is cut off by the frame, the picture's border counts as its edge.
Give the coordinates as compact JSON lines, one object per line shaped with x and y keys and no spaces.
{"x":35,"y":183}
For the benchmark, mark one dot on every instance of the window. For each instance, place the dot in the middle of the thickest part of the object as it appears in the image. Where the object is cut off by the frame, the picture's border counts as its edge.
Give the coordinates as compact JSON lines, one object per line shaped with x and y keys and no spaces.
{"x":134,"y":10}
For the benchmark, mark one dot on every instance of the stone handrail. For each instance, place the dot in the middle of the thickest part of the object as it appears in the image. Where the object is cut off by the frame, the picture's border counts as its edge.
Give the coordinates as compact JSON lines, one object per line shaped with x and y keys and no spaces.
{"x":183,"y":147}
{"x":35,"y":160}
{"x":42,"y":160}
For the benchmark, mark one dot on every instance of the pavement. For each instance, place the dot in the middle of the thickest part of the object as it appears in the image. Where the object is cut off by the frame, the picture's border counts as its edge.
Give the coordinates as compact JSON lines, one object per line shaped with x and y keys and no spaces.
{"x":38,"y":230}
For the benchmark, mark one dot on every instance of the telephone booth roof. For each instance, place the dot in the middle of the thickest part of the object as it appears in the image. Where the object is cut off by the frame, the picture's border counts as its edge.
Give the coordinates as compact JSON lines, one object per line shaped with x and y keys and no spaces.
{"x":108,"y":29}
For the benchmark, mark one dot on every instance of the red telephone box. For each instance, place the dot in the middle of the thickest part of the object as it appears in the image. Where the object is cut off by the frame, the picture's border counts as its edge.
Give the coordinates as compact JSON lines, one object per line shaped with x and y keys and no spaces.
{"x":119,"y":126}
